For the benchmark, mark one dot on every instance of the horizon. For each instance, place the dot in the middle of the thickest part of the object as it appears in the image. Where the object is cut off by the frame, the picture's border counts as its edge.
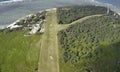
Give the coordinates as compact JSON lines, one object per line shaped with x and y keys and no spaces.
{"x":15,"y":10}
{"x":113,"y":2}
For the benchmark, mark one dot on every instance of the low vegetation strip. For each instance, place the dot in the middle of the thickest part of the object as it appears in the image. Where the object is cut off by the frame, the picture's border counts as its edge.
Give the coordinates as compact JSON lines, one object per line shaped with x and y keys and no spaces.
{"x":18,"y":53}
{"x":49,"y":46}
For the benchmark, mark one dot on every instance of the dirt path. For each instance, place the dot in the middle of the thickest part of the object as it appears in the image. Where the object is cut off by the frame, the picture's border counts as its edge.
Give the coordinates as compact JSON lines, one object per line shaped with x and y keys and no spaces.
{"x":64,"y":26}
{"x":48,"y":61}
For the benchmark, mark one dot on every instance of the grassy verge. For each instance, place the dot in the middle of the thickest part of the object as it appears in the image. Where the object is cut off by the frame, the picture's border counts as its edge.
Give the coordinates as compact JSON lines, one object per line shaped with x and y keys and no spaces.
{"x":18,"y":53}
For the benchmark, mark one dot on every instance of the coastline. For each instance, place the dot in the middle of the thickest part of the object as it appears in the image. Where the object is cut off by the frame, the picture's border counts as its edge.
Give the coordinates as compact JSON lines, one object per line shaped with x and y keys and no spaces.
{"x":24,"y":17}
{"x":10,"y":1}
{"x":12,"y":24}
{"x":2,"y":27}
{"x":10,"y":12}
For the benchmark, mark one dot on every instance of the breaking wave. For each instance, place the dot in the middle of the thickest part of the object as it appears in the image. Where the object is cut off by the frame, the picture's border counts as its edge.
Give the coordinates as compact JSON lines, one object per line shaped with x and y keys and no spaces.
{"x":9,"y":1}
{"x":4,"y":2}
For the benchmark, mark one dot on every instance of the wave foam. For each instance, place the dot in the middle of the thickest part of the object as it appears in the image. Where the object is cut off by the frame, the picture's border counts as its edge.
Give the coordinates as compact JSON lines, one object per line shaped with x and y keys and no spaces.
{"x":10,"y":1}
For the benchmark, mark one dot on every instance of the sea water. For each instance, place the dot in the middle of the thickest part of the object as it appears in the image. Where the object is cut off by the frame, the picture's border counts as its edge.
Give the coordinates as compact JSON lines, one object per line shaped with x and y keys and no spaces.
{"x":3,"y":0}
{"x":11,"y":10}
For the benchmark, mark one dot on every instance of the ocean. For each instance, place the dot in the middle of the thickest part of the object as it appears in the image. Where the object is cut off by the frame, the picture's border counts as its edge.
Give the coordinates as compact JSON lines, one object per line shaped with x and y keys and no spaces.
{"x":114,"y":2}
{"x":11,"y":10}
{"x":3,"y":0}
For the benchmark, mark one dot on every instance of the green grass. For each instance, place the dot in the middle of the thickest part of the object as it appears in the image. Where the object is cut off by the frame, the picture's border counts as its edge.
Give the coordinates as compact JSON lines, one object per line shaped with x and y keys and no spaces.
{"x":18,"y":53}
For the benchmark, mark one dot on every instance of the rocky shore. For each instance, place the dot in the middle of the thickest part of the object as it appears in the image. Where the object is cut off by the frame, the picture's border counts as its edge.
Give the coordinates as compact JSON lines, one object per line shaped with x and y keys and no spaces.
{"x":32,"y":23}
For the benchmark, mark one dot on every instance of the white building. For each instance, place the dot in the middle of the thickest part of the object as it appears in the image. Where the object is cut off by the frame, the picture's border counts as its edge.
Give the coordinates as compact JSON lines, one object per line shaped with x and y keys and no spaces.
{"x":35,"y":28}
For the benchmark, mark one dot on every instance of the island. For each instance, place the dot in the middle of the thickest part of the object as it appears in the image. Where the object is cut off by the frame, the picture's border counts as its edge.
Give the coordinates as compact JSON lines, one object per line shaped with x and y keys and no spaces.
{"x":84,"y":38}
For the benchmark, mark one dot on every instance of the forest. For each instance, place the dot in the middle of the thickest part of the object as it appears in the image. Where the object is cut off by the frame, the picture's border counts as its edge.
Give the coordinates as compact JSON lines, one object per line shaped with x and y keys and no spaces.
{"x":66,"y":15}
{"x":91,"y":46}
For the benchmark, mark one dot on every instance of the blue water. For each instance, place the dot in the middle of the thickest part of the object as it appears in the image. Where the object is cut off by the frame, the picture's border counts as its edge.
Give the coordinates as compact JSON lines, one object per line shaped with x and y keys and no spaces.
{"x":114,"y":2}
{"x":3,"y":0}
{"x":12,"y":11}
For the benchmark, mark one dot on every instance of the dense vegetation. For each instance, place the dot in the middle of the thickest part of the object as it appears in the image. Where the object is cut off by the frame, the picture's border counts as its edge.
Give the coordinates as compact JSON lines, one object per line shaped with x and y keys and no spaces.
{"x":91,"y":46}
{"x":71,"y":13}
{"x":18,"y":53}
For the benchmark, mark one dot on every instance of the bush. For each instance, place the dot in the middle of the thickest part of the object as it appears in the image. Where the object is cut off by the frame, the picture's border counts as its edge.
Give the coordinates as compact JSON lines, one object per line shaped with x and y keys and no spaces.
{"x":66,"y":15}
{"x":82,"y":43}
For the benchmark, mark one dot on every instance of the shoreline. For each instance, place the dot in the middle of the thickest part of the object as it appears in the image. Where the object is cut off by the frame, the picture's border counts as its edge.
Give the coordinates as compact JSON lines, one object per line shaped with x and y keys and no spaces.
{"x":9,"y":2}
{"x":12,"y":11}
{"x":2,"y":27}
{"x":24,"y":17}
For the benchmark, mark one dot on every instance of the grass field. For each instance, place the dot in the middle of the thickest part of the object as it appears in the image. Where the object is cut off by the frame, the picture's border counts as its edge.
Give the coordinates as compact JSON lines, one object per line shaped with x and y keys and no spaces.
{"x":19,"y":53}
